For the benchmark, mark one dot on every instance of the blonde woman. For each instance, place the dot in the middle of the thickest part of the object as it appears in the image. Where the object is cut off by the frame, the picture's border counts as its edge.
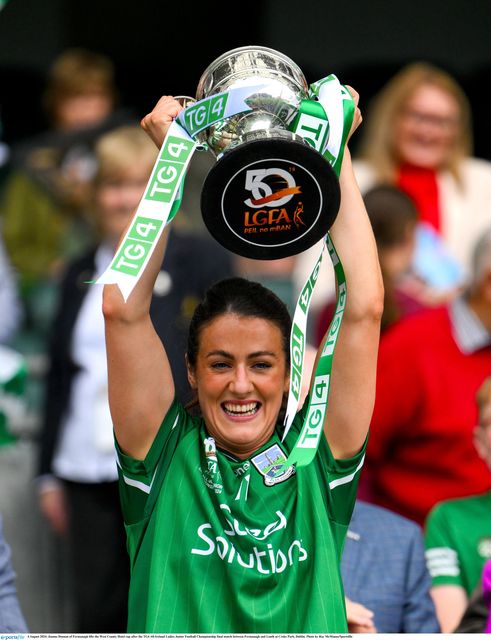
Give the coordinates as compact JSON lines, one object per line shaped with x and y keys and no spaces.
{"x":418,"y":136}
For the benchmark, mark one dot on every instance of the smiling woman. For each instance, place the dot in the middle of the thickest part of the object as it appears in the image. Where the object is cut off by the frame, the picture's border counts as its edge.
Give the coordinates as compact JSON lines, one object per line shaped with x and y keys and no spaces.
{"x":240,"y":370}
{"x":419,"y":138}
{"x":225,"y":534}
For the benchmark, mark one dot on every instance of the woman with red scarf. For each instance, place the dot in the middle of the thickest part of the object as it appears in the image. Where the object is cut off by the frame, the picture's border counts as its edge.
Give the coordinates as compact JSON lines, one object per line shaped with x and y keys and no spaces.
{"x":418,"y":136}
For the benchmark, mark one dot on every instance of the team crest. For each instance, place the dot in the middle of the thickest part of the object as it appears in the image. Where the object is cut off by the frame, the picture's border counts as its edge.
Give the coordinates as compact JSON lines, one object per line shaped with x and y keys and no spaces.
{"x":269,"y":463}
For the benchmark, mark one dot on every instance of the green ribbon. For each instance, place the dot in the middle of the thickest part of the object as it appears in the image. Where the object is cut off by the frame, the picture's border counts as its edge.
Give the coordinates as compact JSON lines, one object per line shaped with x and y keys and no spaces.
{"x":308,"y":440}
{"x":324,"y":120}
{"x":314,"y":119}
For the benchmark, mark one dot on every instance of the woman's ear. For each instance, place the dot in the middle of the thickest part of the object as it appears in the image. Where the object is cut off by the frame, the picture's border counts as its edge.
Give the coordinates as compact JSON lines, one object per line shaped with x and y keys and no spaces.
{"x":286,"y":386}
{"x":191,"y":375}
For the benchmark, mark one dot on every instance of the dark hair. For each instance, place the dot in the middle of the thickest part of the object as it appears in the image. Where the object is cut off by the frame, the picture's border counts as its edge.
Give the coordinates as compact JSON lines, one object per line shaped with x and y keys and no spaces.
{"x":241,"y":297}
{"x":390,"y":210}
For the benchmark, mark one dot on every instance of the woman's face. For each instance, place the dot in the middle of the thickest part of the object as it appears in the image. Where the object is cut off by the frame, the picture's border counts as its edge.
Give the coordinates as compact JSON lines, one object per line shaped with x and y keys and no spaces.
{"x":427,"y":128}
{"x":117,"y":199}
{"x":241,"y":378}
{"x":84,"y":110}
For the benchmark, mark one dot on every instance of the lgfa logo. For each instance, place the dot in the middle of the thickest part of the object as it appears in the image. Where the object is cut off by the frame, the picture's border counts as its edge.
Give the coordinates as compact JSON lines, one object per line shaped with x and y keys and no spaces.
{"x":271,"y":189}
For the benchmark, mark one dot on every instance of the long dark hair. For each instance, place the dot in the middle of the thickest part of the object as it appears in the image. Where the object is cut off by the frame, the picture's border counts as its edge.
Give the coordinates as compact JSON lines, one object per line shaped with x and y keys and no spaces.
{"x":244,"y":298}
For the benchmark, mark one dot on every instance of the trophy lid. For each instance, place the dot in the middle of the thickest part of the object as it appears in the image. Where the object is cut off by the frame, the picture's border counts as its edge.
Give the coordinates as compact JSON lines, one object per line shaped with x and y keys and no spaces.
{"x":242,"y":63}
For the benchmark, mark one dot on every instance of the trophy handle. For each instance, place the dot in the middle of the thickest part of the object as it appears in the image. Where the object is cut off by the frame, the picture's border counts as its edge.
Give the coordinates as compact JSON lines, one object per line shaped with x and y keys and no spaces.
{"x":185,"y":101}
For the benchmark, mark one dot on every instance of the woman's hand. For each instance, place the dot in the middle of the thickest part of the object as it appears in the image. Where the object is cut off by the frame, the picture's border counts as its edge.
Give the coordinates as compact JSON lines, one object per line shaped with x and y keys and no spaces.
{"x":157,"y":122}
{"x":54,"y":508}
{"x":357,"y":118}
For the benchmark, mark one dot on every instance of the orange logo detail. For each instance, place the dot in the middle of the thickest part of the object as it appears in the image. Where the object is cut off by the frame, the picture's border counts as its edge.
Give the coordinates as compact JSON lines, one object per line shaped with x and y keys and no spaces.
{"x":275,"y":196}
{"x":296,"y":216}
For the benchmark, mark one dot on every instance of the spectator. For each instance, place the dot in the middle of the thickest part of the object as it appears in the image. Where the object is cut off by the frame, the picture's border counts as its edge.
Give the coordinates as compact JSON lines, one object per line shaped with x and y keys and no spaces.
{"x":46,"y":188}
{"x":430,"y":366}
{"x":418,"y":136}
{"x":78,"y":475}
{"x":11,"y":617}
{"x":393,"y":217}
{"x":383,"y":568}
{"x":458,"y":533}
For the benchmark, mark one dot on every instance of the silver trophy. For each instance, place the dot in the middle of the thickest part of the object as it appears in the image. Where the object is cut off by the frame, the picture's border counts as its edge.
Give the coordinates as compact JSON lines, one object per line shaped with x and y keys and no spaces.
{"x":270,"y":194}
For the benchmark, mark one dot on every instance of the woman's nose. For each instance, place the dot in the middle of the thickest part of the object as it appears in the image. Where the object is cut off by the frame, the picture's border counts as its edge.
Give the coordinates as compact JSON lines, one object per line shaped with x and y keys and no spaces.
{"x":241,"y":382}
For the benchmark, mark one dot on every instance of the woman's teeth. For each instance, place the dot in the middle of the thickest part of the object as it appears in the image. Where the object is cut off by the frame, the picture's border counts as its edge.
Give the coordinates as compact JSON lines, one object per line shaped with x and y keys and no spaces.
{"x":248,"y":409}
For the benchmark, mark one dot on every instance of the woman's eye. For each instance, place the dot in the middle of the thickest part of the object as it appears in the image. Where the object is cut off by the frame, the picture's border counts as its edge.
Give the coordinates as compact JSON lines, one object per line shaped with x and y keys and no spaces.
{"x":220,"y":365}
{"x":262,"y":365}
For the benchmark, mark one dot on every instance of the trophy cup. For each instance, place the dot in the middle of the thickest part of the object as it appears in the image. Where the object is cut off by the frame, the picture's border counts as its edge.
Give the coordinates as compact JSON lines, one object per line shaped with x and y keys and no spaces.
{"x":270,"y":194}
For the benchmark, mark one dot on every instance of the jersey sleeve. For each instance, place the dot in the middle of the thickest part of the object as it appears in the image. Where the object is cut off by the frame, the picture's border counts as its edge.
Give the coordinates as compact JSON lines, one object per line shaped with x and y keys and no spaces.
{"x":441,"y":555}
{"x":140,"y":480}
{"x":342,"y":481}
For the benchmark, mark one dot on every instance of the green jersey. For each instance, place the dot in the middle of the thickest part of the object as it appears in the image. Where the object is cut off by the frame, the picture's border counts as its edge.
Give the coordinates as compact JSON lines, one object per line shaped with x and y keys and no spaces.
{"x":222,"y":545}
{"x":458,"y":540}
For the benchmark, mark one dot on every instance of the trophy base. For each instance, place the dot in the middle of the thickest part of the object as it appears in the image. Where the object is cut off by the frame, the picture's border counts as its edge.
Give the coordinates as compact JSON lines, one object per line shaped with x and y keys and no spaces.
{"x":267,"y":199}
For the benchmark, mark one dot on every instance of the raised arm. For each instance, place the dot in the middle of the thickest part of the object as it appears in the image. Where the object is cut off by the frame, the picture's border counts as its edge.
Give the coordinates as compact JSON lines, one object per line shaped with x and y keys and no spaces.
{"x":352,"y":390}
{"x":141,"y":387}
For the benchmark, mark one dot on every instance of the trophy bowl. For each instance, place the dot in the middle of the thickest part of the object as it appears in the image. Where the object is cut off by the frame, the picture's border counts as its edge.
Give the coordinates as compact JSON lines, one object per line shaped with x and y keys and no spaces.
{"x":270,"y":194}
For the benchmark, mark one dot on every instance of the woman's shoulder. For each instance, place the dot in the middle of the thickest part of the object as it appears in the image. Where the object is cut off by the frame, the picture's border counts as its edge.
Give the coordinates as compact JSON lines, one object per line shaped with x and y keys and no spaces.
{"x":476,"y":170}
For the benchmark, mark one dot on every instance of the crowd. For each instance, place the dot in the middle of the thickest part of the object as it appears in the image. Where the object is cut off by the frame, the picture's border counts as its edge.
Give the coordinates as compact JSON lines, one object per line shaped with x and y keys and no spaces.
{"x":107,"y":392}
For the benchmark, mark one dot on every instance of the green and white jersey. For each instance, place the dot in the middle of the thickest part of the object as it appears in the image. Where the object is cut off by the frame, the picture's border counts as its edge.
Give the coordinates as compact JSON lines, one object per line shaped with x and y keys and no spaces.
{"x":458,"y":540}
{"x":221,"y":545}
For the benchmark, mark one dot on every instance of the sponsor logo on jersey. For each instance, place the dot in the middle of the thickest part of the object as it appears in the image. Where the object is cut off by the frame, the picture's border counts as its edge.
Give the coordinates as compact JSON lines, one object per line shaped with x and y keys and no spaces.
{"x":261,"y":556}
{"x":269,"y":463}
{"x":240,"y":471}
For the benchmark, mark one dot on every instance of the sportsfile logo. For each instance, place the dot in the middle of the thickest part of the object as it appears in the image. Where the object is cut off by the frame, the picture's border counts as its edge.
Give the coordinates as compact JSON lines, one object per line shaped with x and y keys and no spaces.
{"x":264,"y":559}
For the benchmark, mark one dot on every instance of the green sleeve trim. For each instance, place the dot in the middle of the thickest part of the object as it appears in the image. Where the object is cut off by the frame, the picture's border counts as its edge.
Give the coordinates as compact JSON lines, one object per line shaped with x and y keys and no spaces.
{"x":146,"y":468}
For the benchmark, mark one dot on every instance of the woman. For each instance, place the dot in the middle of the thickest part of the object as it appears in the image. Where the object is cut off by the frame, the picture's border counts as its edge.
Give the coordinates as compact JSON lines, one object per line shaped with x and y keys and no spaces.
{"x":217,"y":544}
{"x":78,"y":479}
{"x":419,"y":138}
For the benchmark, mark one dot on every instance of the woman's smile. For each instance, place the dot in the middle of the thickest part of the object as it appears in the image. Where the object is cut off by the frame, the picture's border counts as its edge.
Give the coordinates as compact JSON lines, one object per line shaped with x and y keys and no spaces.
{"x":241,"y":410}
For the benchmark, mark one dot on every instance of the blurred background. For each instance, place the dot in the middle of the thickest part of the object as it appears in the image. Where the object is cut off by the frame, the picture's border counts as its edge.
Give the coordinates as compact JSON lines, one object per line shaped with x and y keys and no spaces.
{"x":163,"y":48}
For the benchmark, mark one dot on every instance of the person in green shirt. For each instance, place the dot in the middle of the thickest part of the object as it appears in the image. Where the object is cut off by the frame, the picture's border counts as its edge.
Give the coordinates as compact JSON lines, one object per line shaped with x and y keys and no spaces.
{"x":458,"y":534}
{"x":224,"y":537}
